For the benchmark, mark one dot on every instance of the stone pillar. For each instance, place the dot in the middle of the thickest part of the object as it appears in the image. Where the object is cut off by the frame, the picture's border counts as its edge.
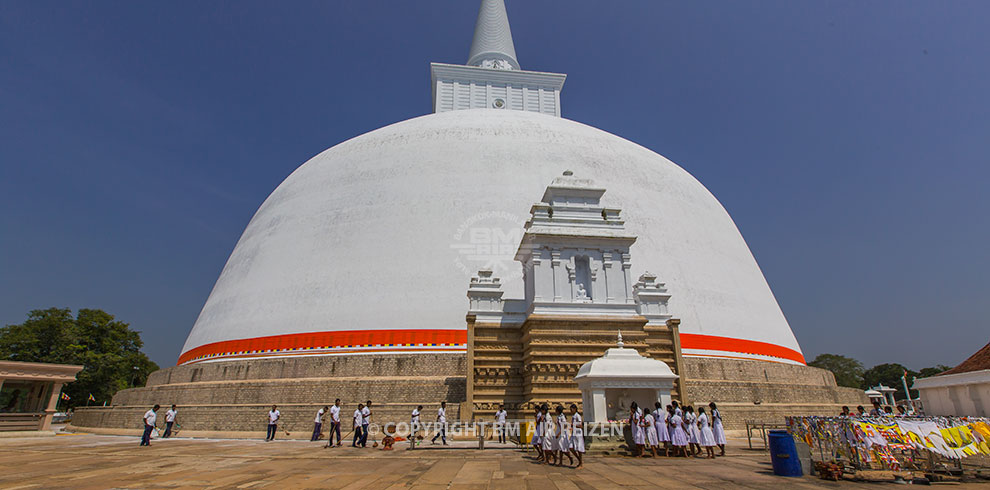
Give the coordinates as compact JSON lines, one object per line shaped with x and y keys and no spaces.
{"x":46,"y":420}
{"x":674,"y":324}
{"x":627,"y":281}
{"x":467,"y":408}
{"x":559,"y":276}
{"x":606,"y":265}
{"x":663,"y":396}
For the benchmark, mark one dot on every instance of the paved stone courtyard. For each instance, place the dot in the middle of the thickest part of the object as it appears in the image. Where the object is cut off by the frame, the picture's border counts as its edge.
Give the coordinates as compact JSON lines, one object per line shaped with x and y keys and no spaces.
{"x":82,"y":461}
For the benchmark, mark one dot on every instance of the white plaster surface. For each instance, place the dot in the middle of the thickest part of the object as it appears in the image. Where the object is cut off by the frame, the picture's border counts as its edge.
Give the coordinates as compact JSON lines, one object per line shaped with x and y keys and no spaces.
{"x":961,"y":394}
{"x":363,"y":235}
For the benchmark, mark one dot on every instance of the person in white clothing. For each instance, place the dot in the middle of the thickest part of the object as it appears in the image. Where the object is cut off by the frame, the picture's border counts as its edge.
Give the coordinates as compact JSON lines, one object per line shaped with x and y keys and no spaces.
{"x":563,"y":438}
{"x":500,"y":416}
{"x":577,"y":436}
{"x":318,"y":424}
{"x":649,"y":427}
{"x":549,"y":440}
{"x":358,"y":424}
{"x":706,"y":438}
{"x":678,"y":437}
{"x":334,"y":424}
{"x":719,"y":431}
{"x":414,"y":424}
{"x":149,"y":424}
{"x":691,"y":423}
{"x":442,"y":424}
{"x":660,"y":422}
{"x":169,"y":421}
{"x":273,"y":416}
{"x":538,"y":435}
{"x":365,"y":423}
{"x":635,"y":425}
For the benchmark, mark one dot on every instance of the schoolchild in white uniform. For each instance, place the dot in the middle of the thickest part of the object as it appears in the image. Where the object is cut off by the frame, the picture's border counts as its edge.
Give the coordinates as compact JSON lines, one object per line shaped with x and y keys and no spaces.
{"x":538,"y":435}
{"x":563,"y":438}
{"x":649,"y":427}
{"x":691,"y":422}
{"x":549,"y":441}
{"x":717,"y":428}
{"x":636,"y":426}
{"x":706,"y":437}
{"x":660,"y":421}
{"x":678,"y":437}
{"x":577,"y":436}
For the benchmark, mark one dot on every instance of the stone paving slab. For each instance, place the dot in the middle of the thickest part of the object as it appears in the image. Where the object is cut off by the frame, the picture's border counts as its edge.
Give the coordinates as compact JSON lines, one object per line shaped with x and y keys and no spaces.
{"x":85,"y":461}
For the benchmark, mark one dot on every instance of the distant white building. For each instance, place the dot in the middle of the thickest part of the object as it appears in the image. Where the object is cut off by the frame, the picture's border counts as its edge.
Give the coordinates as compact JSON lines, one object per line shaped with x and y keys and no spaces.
{"x":961,"y":391}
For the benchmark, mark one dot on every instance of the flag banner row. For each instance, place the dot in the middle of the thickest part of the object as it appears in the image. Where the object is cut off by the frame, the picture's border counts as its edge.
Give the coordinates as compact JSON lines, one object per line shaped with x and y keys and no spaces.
{"x":872,"y":439}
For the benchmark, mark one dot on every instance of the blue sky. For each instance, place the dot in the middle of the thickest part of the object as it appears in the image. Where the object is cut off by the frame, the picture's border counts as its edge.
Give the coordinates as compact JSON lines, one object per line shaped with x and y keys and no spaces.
{"x":849,"y":141}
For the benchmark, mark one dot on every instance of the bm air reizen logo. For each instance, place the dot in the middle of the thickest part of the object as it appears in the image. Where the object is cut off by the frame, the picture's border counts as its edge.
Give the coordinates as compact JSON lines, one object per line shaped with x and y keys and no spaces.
{"x":489,"y":241}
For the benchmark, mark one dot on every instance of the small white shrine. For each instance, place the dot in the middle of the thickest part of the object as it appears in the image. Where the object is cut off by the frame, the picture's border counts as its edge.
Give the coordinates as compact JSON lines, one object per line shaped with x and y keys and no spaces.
{"x":609,"y":384}
{"x":882,"y":394}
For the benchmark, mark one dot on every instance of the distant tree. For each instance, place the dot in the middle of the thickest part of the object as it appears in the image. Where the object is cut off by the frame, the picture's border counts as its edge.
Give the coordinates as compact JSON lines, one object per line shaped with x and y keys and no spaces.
{"x":889,"y":375}
{"x":848,"y":371}
{"x":932,"y":371}
{"x":108,"y":350}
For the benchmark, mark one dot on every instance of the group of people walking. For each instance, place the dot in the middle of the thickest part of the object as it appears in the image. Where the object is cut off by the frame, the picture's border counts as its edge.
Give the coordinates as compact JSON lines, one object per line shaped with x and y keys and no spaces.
{"x":360,"y":423}
{"x":677,"y":430}
{"x":556,"y":436}
{"x":672,"y":430}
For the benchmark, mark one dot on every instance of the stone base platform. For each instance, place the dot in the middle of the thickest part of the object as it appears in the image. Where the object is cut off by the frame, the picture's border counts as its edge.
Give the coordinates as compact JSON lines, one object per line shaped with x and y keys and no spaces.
{"x":765,"y":392}
{"x":233,"y":397}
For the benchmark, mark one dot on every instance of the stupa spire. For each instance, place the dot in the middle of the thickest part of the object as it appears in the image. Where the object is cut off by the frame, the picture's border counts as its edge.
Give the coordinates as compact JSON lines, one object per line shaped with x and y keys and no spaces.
{"x":492,"y":44}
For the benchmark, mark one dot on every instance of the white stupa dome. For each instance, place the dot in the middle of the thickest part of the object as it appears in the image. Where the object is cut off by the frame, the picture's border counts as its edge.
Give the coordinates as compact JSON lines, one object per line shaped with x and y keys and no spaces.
{"x":370,"y":245}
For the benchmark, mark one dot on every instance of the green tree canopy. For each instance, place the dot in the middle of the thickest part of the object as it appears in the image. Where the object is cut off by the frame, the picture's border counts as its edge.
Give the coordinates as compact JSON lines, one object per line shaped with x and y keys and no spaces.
{"x":108,"y":350}
{"x":848,"y":371}
{"x":889,"y":375}
{"x":932,"y":371}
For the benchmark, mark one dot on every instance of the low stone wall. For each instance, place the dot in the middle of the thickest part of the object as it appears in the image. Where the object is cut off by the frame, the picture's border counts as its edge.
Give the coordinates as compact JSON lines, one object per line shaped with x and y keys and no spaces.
{"x":364,"y":366}
{"x":765,"y":392}
{"x":235,"y":396}
{"x":351,"y":391}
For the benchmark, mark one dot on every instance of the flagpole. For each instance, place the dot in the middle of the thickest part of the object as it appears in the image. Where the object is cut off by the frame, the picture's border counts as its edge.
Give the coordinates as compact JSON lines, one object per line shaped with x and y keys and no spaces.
{"x":907,"y":392}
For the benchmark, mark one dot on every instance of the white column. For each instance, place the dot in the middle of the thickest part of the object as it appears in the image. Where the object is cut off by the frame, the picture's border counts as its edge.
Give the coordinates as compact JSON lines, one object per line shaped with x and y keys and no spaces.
{"x":627,"y":285}
{"x":663,"y":396}
{"x":558,"y":274}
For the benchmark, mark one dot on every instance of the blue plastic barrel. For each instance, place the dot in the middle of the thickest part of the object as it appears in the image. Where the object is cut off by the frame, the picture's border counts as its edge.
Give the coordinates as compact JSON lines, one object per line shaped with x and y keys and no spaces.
{"x":783,"y":454}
